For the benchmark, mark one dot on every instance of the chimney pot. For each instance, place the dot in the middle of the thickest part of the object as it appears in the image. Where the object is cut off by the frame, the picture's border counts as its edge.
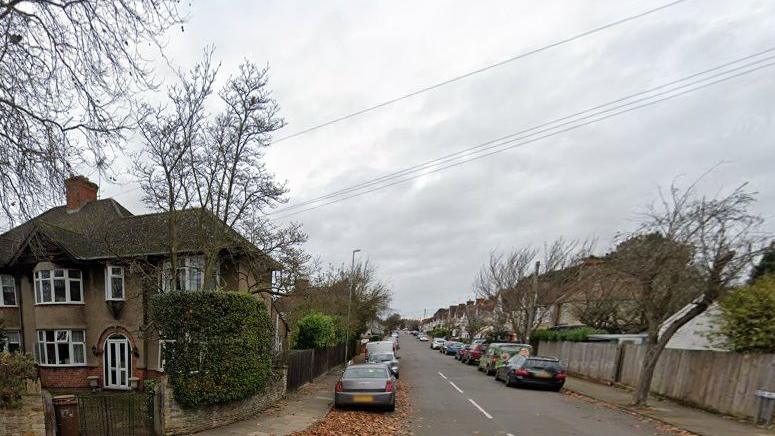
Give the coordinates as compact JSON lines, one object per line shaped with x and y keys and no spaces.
{"x":79,"y":191}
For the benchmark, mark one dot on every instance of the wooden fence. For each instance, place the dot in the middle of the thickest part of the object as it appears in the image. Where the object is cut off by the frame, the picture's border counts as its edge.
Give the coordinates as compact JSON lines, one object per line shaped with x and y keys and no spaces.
{"x":305,"y":365}
{"x":720,"y":381}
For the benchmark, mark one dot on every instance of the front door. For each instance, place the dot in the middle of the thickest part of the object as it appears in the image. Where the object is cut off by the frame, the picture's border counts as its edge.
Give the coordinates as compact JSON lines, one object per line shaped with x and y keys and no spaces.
{"x":117,"y":362}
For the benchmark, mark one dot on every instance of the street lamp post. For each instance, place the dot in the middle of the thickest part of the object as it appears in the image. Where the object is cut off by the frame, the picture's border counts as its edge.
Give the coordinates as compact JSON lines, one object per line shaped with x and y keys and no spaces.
{"x":349,"y":303}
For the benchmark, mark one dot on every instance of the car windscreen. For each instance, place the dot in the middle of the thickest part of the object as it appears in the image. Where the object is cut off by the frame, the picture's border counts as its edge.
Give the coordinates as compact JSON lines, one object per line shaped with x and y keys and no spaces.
{"x":542,"y":364}
{"x":384,"y":357}
{"x":365,"y":373}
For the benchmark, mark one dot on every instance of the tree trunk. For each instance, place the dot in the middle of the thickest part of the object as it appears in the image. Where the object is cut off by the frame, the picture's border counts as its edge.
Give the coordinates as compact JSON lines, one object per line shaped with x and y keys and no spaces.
{"x":650,"y":359}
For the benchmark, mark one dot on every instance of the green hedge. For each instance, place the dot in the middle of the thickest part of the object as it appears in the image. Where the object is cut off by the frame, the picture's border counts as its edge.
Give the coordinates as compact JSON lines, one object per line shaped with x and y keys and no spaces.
{"x":747,"y":318}
{"x":570,"y":335}
{"x":222,"y":345}
{"x":315,"y":330}
{"x":14,"y":368}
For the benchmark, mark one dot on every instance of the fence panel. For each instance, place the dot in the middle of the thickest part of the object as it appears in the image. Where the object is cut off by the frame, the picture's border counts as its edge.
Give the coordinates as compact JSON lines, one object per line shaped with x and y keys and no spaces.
{"x":305,"y":365}
{"x":716,"y":380}
{"x":115,"y":414}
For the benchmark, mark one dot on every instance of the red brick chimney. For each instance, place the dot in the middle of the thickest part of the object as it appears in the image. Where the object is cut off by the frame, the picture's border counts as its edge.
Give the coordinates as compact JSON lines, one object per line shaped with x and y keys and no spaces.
{"x":79,"y":191}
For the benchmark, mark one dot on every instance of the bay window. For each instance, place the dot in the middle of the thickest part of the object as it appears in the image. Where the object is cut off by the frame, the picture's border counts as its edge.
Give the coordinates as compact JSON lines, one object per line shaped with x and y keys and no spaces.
{"x":58,"y":286}
{"x":61,"y":347}
{"x":7,"y":290}
{"x":114,"y":282}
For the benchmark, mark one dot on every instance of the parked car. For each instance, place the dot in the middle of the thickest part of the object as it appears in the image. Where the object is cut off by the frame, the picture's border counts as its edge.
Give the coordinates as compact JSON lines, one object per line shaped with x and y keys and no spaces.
{"x":534,"y":371}
{"x":451,"y":348}
{"x":366,"y":384}
{"x":437,"y":343}
{"x":476,"y":351}
{"x":379,"y":347}
{"x":422,"y":338}
{"x":394,"y":334}
{"x":498,"y":354}
{"x":462,"y":352}
{"x":388,"y":359}
{"x":396,"y":345}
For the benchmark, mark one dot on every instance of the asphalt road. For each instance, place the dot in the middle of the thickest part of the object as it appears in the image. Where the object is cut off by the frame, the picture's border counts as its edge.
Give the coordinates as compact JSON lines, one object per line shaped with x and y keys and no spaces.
{"x":450,"y":398}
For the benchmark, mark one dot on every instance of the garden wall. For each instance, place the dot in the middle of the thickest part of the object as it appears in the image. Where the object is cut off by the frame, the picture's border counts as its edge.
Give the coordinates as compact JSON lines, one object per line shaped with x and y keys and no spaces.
{"x":176,"y":419}
{"x":724,"y":382}
{"x":29,"y":418}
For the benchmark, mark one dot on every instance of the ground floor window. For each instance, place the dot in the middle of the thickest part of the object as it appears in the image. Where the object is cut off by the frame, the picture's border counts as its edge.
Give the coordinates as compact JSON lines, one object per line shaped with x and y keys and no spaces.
{"x":61,"y":347}
{"x":12,"y":343}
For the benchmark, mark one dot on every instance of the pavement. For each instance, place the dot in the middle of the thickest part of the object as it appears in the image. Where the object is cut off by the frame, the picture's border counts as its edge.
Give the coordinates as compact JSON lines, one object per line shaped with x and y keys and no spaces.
{"x":298,"y":411}
{"x":688,"y":418}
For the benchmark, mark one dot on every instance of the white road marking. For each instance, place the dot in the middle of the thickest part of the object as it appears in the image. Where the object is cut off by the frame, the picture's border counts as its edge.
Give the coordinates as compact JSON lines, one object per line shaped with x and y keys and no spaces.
{"x":442,"y":375}
{"x":455,"y":386}
{"x":480,"y":409}
{"x":509,"y":434}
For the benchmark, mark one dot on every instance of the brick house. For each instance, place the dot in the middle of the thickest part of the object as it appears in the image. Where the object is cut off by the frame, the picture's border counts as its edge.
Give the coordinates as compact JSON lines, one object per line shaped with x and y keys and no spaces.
{"x":76,"y":282}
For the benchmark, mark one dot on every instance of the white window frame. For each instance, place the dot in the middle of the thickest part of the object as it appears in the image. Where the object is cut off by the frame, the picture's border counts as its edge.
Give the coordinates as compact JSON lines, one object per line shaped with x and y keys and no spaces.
{"x":38,"y":281}
{"x":188,"y":281}
{"x":109,"y":276}
{"x":41,"y":352}
{"x":160,"y":362}
{"x":5,"y":279}
{"x":11,"y":337}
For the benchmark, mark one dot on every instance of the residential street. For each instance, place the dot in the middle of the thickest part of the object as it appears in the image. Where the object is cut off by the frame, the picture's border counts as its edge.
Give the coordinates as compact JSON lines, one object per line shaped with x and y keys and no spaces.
{"x":451,"y":398}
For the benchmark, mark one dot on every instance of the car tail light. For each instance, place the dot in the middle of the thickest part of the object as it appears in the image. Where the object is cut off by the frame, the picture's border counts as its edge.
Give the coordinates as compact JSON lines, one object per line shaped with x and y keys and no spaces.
{"x":521,"y":372}
{"x":560,"y":375}
{"x":339,"y":387}
{"x":389,"y":386}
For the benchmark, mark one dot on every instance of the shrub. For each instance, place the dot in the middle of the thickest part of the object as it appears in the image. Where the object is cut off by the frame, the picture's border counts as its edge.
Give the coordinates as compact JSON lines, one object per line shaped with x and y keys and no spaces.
{"x":222,"y":345}
{"x":439,"y":332}
{"x":747,"y":317}
{"x":14,"y":369}
{"x":579,"y":334}
{"x":314,"y":330}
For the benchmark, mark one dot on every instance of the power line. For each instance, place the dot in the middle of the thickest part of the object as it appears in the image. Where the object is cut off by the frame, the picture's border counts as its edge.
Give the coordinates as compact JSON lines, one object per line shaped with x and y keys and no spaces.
{"x":479,"y":70}
{"x":477,"y":157}
{"x":538,"y":128}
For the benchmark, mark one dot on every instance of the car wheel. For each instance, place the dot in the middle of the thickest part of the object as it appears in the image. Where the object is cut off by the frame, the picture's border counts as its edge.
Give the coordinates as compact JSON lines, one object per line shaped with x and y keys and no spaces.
{"x":509,"y":383}
{"x":496,"y":376}
{"x":391,"y":407}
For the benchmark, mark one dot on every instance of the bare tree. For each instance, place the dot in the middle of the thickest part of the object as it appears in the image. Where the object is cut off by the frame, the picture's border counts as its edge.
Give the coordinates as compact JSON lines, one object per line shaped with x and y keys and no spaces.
{"x":608,"y":299}
{"x":689,"y":248}
{"x":68,"y":73}
{"x":526,"y":284}
{"x":213,"y":162}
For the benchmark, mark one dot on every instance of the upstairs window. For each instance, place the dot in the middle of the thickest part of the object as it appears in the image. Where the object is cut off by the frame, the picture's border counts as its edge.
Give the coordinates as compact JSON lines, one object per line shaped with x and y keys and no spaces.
{"x":8,"y":291}
{"x":61,"y":347}
{"x":12,"y":343}
{"x":114,"y":283}
{"x":58,"y":286}
{"x":189,"y":275}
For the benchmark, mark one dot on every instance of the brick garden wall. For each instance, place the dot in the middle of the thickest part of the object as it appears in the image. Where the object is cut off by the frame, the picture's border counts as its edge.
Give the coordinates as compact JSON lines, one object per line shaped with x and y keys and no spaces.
{"x":28,"y":419}
{"x":178,"y":420}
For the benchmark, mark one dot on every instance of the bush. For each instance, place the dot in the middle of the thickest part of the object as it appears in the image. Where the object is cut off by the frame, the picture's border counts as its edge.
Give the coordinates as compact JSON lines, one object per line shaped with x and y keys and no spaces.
{"x":747,"y":317}
{"x":315,"y":330}
{"x":222,"y":345}
{"x":579,"y":334}
{"x":14,"y":369}
{"x":439,"y":332}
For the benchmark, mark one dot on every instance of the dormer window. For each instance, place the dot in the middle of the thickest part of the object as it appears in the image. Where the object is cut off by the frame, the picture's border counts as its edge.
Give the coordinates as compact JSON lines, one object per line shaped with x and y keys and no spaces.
{"x":114,"y":283}
{"x":7,"y":290}
{"x":58,"y":286}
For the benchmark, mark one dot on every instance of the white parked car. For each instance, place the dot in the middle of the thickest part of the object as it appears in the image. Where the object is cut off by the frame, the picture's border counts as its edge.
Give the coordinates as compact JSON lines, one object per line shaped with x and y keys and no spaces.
{"x":422,"y":338}
{"x":437,"y":343}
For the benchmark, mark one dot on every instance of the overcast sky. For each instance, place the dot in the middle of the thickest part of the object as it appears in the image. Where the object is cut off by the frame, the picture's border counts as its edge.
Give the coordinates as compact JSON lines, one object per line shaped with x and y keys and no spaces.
{"x":430,"y":236}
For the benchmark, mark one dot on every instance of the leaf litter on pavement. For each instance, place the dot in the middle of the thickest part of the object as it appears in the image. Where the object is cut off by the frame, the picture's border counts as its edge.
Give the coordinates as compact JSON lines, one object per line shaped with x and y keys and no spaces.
{"x":366,"y":422}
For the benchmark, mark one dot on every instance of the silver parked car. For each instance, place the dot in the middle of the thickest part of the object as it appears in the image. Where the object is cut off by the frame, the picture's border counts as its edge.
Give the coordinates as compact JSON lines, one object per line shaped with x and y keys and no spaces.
{"x":366,"y":384}
{"x":388,"y":359}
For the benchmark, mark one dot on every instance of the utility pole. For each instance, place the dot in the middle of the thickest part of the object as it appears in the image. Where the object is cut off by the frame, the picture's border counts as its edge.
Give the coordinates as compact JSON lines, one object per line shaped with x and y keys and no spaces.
{"x":349,"y":303}
{"x":533,"y":303}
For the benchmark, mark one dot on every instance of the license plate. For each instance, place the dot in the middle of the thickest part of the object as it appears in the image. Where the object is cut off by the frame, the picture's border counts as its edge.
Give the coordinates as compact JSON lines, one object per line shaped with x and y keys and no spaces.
{"x":542,"y":374}
{"x":363,"y":398}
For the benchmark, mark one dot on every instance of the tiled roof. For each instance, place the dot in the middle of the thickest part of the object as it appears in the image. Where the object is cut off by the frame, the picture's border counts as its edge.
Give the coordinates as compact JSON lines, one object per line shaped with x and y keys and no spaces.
{"x":104,"y":229}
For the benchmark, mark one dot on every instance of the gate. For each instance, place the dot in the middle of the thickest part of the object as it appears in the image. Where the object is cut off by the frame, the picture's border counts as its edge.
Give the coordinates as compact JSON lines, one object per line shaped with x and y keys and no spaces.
{"x":115,"y":414}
